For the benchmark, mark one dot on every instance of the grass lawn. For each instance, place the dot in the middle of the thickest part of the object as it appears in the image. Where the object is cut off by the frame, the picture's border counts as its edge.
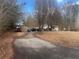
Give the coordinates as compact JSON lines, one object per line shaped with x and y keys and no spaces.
{"x":68,"y":39}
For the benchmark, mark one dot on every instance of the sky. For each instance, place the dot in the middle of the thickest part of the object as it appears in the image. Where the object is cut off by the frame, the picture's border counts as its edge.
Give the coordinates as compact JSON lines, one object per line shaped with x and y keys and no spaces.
{"x":29,"y":5}
{"x":60,"y":3}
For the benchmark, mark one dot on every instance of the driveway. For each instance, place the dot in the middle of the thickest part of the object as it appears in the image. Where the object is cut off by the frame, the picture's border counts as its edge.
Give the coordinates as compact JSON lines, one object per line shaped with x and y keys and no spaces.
{"x":31,"y":47}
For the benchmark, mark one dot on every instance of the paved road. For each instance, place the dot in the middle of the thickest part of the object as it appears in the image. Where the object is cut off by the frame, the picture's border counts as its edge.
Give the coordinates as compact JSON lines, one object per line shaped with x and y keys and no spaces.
{"x":35,"y":48}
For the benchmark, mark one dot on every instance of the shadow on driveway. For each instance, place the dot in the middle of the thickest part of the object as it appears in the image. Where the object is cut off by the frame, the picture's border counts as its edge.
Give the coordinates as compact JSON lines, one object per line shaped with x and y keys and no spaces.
{"x":57,"y":52}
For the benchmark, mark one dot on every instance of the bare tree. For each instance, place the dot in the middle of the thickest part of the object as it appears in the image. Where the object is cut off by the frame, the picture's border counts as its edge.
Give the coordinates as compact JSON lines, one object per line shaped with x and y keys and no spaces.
{"x":42,"y":12}
{"x":48,"y":13}
{"x":70,"y":16}
{"x":31,"y":22}
{"x":9,"y":14}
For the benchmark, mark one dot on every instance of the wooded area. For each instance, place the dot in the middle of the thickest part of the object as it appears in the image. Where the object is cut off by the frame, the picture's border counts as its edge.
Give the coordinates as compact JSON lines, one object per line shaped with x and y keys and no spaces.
{"x":48,"y":13}
{"x":9,"y":14}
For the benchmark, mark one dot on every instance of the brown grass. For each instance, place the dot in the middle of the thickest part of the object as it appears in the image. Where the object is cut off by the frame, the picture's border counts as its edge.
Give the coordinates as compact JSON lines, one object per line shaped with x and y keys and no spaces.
{"x":6,"y":44}
{"x":69,"y":39}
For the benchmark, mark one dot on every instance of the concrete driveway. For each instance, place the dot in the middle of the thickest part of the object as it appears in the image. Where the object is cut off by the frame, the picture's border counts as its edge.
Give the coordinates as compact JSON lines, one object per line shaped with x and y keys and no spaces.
{"x":35,"y":48}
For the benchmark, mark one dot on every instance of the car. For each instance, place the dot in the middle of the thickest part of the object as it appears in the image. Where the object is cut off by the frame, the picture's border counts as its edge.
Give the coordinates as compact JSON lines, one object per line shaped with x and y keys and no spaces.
{"x":33,"y":29}
{"x":28,"y":30}
{"x":18,"y":29}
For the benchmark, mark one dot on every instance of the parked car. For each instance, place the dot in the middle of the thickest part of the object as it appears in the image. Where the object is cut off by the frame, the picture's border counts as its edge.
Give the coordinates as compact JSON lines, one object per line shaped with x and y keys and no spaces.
{"x":33,"y":29}
{"x":28,"y":30}
{"x":18,"y":29}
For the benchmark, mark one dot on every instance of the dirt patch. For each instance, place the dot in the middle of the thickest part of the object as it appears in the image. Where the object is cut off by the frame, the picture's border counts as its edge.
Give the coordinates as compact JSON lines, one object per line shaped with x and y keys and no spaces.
{"x":6,"y":46}
{"x":69,"y":39}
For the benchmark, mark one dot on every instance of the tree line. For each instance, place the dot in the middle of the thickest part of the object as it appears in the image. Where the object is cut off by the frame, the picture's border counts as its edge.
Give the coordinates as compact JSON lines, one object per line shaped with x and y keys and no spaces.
{"x":48,"y":12}
{"x":9,"y":14}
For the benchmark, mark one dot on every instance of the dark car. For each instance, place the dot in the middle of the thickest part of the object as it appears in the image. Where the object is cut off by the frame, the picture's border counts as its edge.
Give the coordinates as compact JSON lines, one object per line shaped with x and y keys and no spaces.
{"x":33,"y":29}
{"x":28,"y":30}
